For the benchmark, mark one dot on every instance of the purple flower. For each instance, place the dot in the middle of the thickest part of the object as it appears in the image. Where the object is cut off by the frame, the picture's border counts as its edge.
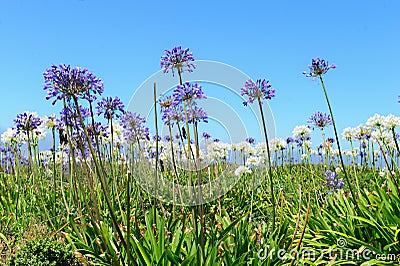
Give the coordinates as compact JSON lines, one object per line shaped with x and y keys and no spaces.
{"x":257,"y":90}
{"x":179,"y":59}
{"x":206,"y":135}
{"x":134,"y":127}
{"x":332,"y":182}
{"x":289,"y":140}
{"x":318,"y":67}
{"x":172,"y":115}
{"x":197,"y":114}
{"x":27,"y":121}
{"x":250,"y":140}
{"x":109,"y":107}
{"x":320,"y":120}
{"x":64,"y":82}
{"x":69,"y":116}
{"x":188,"y":92}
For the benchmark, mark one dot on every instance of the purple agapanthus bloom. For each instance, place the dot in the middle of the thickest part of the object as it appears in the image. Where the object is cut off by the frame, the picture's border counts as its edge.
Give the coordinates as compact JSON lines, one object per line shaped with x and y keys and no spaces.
{"x":188,"y":92}
{"x":64,"y":82}
{"x":177,"y":58}
{"x":289,"y":140}
{"x":206,"y":135}
{"x":318,"y":67}
{"x":197,"y":114}
{"x":320,"y":120}
{"x":250,"y":140}
{"x":257,"y":90}
{"x":27,"y":122}
{"x":173,"y":115}
{"x":69,"y":115}
{"x":110,"y":107}
{"x":134,"y":127}
{"x":332,"y":181}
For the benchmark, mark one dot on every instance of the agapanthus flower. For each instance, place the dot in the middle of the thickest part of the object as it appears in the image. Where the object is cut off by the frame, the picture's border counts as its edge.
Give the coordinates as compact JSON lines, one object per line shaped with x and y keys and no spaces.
{"x":70,"y":117}
{"x":206,"y":135}
{"x":172,"y":115}
{"x":110,"y":107}
{"x":188,"y":92}
{"x":376,"y":121}
{"x":332,"y":181}
{"x":197,"y":114}
{"x":10,"y":136}
{"x":257,"y":90}
{"x":320,"y":120}
{"x":301,"y":131}
{"x":391,"y":122}
{"x":27,"y":122}
{"x":50,"y":122}
{"x":64,"y":82}
{"x":318,"y":67}
{"x":250,"y":140}
{"x":134,"y":127}
{"x":242,"y":170}
{"x":177,"y":58}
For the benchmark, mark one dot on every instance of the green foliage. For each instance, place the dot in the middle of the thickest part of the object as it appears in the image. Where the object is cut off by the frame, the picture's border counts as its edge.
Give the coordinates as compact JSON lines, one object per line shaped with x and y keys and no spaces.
{"x":44,"y":252}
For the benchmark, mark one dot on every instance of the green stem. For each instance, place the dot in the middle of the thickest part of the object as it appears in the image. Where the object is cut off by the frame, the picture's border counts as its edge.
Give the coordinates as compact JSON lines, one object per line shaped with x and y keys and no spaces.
{"x":338,"y":143}
{"x":271,"y":181}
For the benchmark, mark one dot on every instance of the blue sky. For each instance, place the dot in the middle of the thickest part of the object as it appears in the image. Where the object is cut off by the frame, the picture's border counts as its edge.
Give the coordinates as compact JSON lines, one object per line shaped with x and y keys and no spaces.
{"x":122,"y":42}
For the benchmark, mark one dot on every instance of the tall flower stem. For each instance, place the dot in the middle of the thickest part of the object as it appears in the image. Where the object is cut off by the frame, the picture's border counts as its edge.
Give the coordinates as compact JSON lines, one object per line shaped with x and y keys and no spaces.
{"x":103,"y":184}
{"x":156,"y":172}
{"x":271,"y":181}
{"x":337,"y":141}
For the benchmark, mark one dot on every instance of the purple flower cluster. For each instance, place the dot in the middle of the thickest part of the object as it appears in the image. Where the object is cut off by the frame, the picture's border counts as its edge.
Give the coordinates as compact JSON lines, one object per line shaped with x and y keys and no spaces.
{"x":69,"y":116}
{"x":320,"y":120}
{"x":177,"y":58}
{"x":109,"y":107}
{"x":27,"y":122}
{"x":134,"y":127}
{"x":206,"y":135}
{"x":333,"y":182}
{"x":64,"y":82}
{"x":318,"y":67}
{"x":257,"y":90}
{"x":188,"y":92}
{"x":172,"y":107}
{"x":250,"y":140}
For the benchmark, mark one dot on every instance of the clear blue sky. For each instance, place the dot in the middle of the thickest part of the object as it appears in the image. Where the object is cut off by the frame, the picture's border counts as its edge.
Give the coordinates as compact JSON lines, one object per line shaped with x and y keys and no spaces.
{"x":122,"y":42}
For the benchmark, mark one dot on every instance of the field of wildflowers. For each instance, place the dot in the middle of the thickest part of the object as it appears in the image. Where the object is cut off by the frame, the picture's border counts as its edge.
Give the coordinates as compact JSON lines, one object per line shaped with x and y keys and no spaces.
{"x":116,"y":193}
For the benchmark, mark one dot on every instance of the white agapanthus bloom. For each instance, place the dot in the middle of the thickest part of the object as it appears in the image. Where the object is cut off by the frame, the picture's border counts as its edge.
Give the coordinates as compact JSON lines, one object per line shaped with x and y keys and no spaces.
{"x":278,"y":144}
{"x":361,"y":132}
{"x":301,"y":131}
{"x":218,"y":150}
{"x":375,"y":121}
{"x":254,"y":161}
{"x":242,"y":170}
{"x":304,"y":156}
{"x":10,"y":136}
{"x":391,"y":121}
{"x":348,"y":133}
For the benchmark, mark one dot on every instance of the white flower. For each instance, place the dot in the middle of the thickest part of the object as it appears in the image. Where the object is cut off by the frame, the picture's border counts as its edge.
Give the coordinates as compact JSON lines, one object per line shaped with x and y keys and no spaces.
{"x":304,"y":156}
{"x":375,"y":122}
{"x":348,"y":133}
{"x":10,"y":136}
{"x":278,"y":144}
{"x":301,"y":131}
{"x":254,"y":161}
{"x":390,"y":122}
{"x":242,"y":170}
